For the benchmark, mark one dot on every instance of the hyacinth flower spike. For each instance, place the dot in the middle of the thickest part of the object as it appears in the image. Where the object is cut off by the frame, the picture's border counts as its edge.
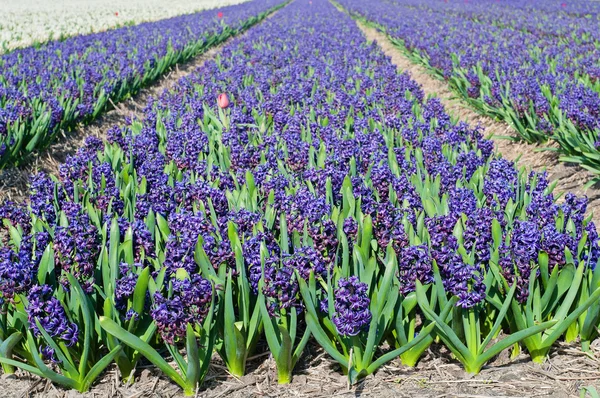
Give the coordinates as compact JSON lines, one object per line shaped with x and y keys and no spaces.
{"x":281,"y":305}
{"x":191,"y":298}
{"x":352,"y":326}
{"x":52,"y":335}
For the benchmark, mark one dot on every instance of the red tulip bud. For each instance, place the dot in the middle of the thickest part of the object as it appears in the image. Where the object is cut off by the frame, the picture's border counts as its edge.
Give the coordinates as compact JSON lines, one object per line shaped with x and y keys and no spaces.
{"x":117,"y":13}
{"x":220,"y":14}
{"x":223,"y":101}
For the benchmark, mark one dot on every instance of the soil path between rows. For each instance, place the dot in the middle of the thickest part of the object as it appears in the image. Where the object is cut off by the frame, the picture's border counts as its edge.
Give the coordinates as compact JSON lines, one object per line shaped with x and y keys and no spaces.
{"x":14,"y":181}
{"x":571,"y":178}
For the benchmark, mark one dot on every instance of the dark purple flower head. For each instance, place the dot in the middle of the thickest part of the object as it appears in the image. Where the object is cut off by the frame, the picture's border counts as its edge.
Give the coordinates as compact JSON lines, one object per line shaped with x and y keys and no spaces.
{"x":76,"y":247}
{"x":500,"y":182}
{"x":46,"y":309}
{"x":350,"y":228}
{"x":516,"y":259}
{"x":185,"y":228}
{"x":189,"y":304}
{"x":18,"y":269}
{"x":304,"y":260}
{"x":125,"y":284}
{"x":351,"y":302}
{"x":414,"y":263}
{"x":281,"y":289}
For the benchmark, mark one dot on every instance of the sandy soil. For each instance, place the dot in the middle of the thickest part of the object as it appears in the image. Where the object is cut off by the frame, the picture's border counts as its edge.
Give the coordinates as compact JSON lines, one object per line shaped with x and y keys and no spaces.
{"x":571,"y":178}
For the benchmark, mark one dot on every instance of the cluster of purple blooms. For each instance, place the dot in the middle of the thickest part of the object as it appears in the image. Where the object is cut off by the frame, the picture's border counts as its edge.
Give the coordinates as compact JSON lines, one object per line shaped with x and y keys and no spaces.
{"x":45,"y":310}
{"x":188,"y":305}
{"x":351,"y":303}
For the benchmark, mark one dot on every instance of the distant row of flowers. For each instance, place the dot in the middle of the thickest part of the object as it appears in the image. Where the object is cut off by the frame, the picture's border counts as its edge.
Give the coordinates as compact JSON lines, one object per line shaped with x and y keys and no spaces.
{"x":532,"y":64}
{"x":52,"y":87}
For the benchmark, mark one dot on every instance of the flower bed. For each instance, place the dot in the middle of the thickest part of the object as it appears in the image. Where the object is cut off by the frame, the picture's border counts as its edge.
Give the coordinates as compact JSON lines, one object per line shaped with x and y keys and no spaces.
{"x":531,"y":64}
{"x":295,"y":188}
{"x":46,"y":89}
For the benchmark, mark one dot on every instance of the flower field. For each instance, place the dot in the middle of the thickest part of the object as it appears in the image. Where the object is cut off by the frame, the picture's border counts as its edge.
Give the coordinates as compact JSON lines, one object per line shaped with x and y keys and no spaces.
{"x":46,"y":89}
{"x":533,"y":65}
{"x":294,"y":190}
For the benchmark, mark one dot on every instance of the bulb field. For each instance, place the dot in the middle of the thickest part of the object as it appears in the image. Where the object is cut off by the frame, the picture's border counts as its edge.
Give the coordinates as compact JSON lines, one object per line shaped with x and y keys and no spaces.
{"x":296,"y":191}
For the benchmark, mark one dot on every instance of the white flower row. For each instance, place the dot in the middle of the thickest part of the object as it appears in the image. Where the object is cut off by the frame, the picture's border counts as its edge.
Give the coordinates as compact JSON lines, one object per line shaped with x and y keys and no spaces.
{"x":25,"y":22}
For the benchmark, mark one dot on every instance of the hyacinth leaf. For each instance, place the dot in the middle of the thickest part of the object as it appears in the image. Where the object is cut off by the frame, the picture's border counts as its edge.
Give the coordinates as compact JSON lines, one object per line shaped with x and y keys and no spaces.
{"x":139,"y":295}
{"x":144,"y":348}
{"x":404,"y":330}
{"x":284,"y":357}
{"x":590,"y":391}
{"x":270,"y":324}
{"x":123,"y":361}
{"x":192,"y":372}
{"x":588,"y":327}
{"x":422,"y":336}
{"x":474,"y":360}
{"x":6,"y":349}
{"x":499,"y":319}
{"x":47,"y":372}
{"x":512,"y":339}
{"x":25,"y":367}
{"x":445,"y":332}
{"x":111,"y":272}
{"x":312,"y":321}
{"x":234,"y":351}
{"x":382,"y":306}
{"x":561,"y":326}
{"x":99,"y":367}
{"x":82,"y":301}
{"x":64,"y":357}
{"x":46,"y":265}
{"x":204,"y":263}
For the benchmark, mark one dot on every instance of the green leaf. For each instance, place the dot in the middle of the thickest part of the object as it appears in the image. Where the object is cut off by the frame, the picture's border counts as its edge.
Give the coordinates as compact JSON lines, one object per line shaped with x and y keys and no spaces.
{"x":425,"y":332}
{"x":99,"y":367}
{"x":511,"y":340}
{"x":499,"y":319}
{"x":284,"y":357}
{"x":144,"y":348}
{"x":312,"y":321}
{"x":193,"y":360}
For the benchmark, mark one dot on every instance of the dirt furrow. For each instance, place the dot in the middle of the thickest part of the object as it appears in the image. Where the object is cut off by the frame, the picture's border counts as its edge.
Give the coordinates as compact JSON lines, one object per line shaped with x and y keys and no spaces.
{"x":571,"y":178}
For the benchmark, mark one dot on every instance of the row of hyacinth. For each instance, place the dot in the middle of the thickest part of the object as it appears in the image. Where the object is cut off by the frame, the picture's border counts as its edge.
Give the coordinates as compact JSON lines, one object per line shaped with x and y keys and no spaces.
{"x":533,"y":64}
{"x":297,"y":185}
{"x":46,"y":88}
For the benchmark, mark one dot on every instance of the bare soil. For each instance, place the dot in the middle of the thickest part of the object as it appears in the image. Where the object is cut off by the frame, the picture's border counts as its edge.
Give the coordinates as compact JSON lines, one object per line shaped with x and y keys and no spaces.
{"x":570,"y":177}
